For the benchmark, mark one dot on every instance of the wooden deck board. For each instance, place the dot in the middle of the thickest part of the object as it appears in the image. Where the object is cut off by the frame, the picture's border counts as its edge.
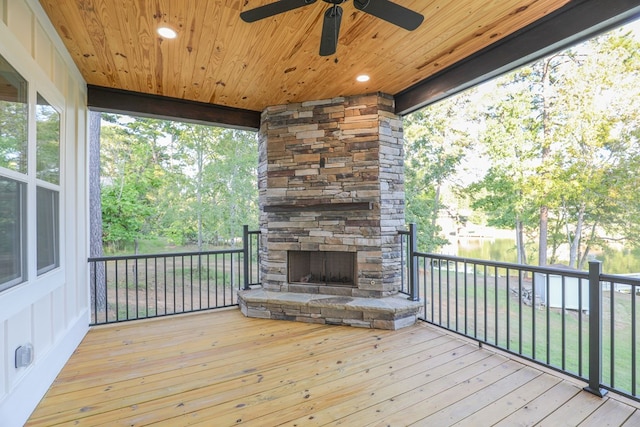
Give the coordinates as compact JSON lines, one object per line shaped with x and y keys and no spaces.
{"x":220,"y":368}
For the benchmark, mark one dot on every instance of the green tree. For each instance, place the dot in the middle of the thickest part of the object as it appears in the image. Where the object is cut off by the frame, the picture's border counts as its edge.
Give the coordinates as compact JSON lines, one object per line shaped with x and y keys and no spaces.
{"x":131,"y":179}
{"x":219,"y":192}
{"x":437,"y":142}
{"x":562,"y":136}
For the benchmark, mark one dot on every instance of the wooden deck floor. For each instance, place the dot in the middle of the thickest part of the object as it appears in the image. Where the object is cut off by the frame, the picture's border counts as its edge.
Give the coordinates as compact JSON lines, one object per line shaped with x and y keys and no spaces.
{"x":221,"y":369}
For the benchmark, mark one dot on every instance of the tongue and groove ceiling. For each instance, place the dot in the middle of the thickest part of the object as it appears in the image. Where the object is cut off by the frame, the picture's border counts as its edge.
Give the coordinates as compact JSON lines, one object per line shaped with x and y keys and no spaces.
{"x":218,"y":59}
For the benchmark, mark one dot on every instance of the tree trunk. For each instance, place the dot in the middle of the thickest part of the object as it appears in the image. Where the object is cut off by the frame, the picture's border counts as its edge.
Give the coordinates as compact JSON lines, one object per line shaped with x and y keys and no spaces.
{"x":544,"y":154}
{"x":522,"y":253}
{"x":585,"y":255}
{"x":575,"y":241}
{"x":199,"y":190}
{"x":97,"y":270}
{"x":436,"y":209}
{"x":543,"y":238}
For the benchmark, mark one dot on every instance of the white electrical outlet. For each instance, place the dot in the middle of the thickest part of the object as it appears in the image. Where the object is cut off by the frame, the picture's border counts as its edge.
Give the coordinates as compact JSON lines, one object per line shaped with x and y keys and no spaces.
{"x":24,"y":355}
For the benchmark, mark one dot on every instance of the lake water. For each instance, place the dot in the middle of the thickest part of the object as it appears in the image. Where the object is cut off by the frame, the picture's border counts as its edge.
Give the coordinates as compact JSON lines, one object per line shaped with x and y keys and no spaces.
{"x":613,"y":261}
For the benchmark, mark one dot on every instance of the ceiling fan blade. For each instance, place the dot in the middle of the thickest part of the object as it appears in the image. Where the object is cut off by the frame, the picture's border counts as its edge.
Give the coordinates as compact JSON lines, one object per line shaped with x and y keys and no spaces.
{"x":330,"y":30}
{"x":272,"y":9}
{"x":390,"y":12}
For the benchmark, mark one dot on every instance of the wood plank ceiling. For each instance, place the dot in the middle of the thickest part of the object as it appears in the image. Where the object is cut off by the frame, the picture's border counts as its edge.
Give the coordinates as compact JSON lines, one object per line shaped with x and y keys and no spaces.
{"x":219,"y":59}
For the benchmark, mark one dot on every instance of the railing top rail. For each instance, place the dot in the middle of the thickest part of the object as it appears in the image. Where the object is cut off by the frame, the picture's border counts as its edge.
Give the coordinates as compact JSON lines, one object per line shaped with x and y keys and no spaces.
{"x":620,"y":279}
{"x":512,"y":266}
{"x":164,"y":255}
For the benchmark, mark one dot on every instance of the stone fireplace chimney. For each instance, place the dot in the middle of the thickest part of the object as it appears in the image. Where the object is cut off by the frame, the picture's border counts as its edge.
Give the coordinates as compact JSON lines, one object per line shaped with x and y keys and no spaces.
{"x":331,"y":193}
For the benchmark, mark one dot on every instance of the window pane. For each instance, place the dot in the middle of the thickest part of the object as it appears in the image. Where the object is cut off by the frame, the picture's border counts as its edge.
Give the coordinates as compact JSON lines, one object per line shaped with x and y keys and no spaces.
{"x":47,"y":229}
{"x":13,"y":118}
{"x":12,"y":200}
{"x":48,"y":142}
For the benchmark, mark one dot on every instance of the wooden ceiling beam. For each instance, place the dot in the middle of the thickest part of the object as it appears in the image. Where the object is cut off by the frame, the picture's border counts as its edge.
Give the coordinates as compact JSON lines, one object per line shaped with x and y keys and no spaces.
{"x":119,"y":101}
{"x":575,"y":22}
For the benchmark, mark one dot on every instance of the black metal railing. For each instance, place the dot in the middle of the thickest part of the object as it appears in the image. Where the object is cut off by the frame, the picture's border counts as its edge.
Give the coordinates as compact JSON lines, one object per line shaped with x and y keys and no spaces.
{"x":141,"y":286}
{"x":581,"y":323}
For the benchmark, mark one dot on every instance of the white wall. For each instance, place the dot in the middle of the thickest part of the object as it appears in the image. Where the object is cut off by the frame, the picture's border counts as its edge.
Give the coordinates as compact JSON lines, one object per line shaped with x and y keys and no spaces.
{"x":50,"y":311}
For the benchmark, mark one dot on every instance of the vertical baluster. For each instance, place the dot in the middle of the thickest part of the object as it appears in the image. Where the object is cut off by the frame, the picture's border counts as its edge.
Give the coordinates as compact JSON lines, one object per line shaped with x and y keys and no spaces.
{"x":448,"y":296}
{"x":174,"y":286}
{"x":466,"y":303}
{"x":146,"y":286}
{"x":496,"y":303}
{"x":190,"y":283}
{"x":424,"y":286}
{"x":634,"y":348}
{"x":533,"y":315}
{"x":548,"y":319}
{"x":485,"y":304}
{"x":580,"y":311}
{"x":216,"y":281}
{"x":455,"y":284}
{"x":475,"y":300}
{"x":208,"y":280}
{"x":224,"y":279}
{"x":520,"y":274}
{"x":564,"y":325}
{"x":117,"y":314}
{"x":126,"y":287}
{"x":431,"y":268}
{"x":106,"y":292}
{"x":508,"y":310}
{"x":439,"y":291}
{"x":612,"y":332}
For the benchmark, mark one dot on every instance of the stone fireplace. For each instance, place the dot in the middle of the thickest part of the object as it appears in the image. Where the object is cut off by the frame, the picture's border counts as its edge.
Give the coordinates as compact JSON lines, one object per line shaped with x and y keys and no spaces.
{"x":331,"y":193}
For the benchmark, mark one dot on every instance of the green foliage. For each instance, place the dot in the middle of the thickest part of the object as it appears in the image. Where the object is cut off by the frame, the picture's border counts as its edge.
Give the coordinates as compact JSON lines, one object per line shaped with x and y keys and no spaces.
{"x":562,"y":134}
{"x":435,"y":149}
{"x":189,"y":184}
{"x":13,"y":135}
{"x":48,"y":142}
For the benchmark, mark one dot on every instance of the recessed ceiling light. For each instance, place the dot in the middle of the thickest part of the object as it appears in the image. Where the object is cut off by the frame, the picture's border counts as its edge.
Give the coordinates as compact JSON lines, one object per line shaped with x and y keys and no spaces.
{"x":167,"y":33}
{"x":362,"y":78}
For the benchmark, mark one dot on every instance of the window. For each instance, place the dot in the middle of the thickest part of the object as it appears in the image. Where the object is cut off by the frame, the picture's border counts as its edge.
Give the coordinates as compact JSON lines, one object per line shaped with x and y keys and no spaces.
{"x":47,"y":226}
{"x":14,"y":115}
{"x":47,"y":171}
{"x":12,"y":233}
{"x":29,"y":191}
{"x":48,"y":142}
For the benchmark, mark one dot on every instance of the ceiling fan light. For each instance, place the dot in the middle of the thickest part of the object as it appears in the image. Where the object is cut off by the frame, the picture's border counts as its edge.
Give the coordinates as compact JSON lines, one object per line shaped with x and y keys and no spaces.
{"x":167,"y":33}
{"x":362,"y":78}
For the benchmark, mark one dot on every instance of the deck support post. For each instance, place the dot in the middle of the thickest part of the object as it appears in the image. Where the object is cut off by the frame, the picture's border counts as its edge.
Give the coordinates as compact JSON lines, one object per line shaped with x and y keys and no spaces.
{"x":413,"y":263}
{"x":246,"y":255}
{"x":595,"y":330}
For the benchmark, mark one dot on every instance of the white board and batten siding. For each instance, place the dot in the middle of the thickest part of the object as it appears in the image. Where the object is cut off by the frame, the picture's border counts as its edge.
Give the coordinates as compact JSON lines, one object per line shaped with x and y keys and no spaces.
{"x":48,"y":311}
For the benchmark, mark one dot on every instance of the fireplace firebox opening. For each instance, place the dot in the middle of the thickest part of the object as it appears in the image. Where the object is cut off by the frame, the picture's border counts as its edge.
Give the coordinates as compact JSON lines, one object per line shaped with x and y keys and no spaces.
{"x":322,"y":267}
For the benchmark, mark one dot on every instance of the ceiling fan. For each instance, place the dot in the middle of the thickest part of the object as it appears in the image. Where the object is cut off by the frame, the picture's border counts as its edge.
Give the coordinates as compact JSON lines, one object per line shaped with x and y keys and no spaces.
{"x":383,"y":9}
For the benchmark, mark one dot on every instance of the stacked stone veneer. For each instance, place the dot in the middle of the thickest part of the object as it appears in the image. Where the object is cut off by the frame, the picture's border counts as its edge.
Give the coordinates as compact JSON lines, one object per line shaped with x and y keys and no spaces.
{"x":342,"y":151}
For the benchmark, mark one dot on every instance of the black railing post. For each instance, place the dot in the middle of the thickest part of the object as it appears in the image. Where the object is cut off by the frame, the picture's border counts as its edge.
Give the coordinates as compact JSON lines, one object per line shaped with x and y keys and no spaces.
{"x":595,"y":330}
{"x":413,"y":263}
{"x":246,"y":255}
